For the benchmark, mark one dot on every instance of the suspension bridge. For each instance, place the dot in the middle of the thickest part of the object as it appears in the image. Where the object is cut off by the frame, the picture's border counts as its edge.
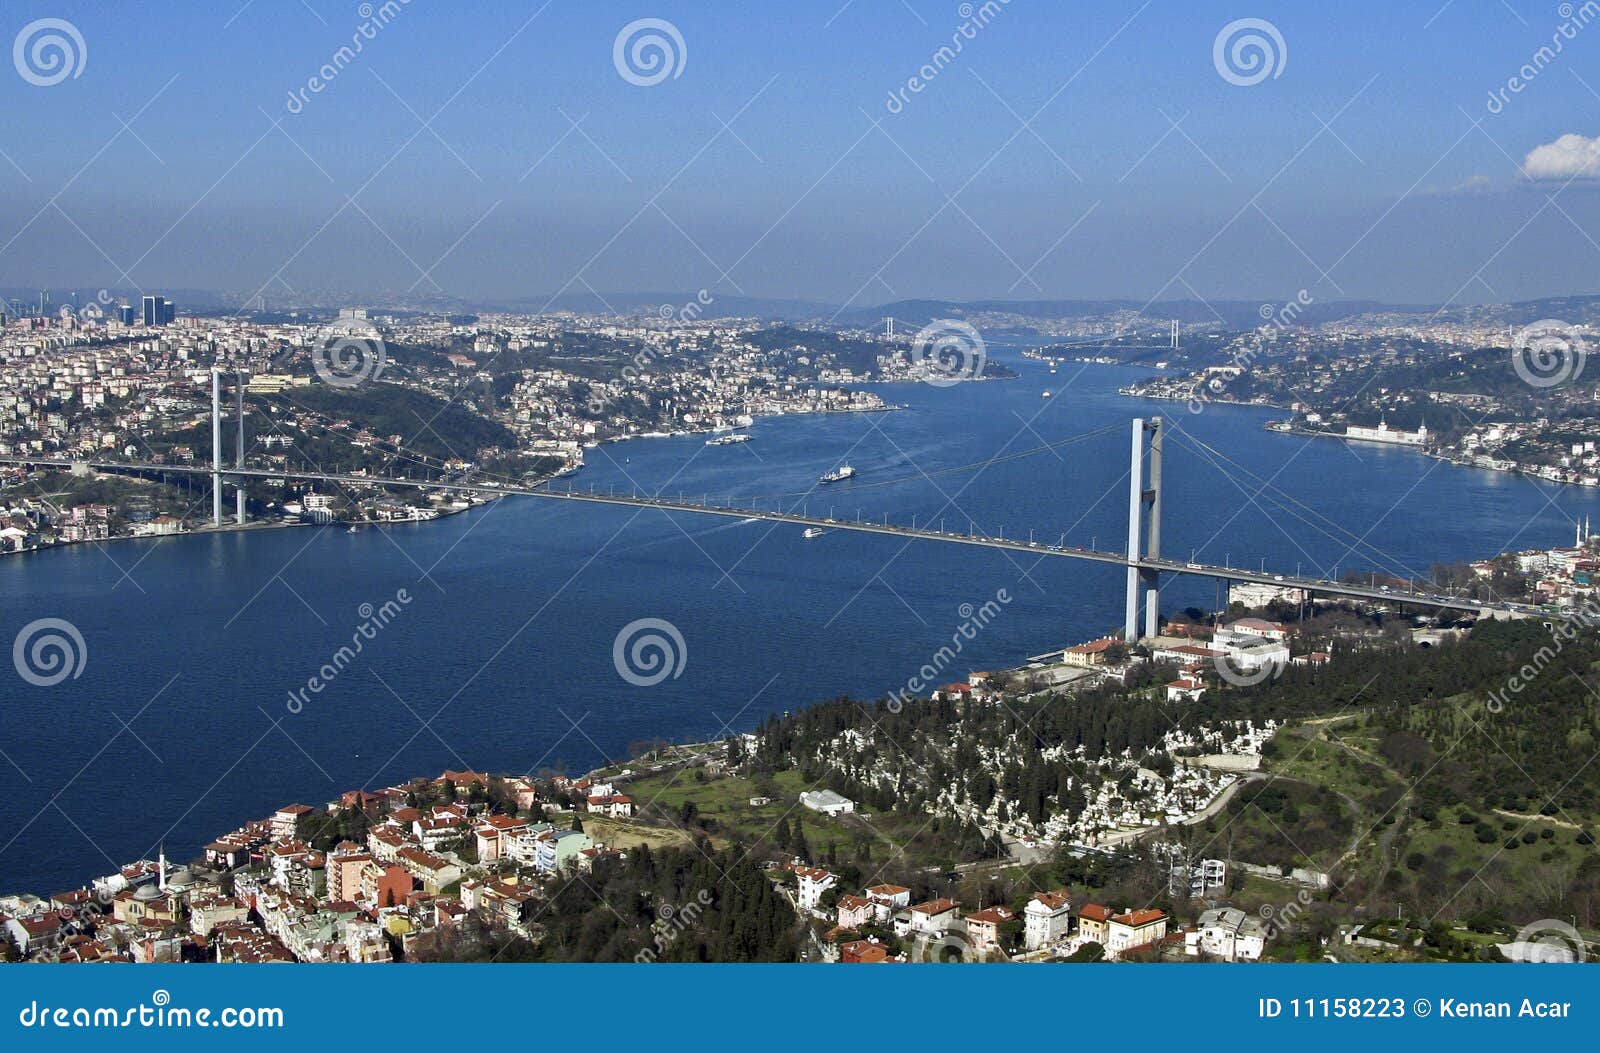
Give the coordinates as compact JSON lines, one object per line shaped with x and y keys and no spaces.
{"x":1142,"y":558}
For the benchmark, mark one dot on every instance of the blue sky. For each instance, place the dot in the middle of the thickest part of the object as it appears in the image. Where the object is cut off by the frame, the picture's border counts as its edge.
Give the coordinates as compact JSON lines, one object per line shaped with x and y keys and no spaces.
{"x":1398,"y":198}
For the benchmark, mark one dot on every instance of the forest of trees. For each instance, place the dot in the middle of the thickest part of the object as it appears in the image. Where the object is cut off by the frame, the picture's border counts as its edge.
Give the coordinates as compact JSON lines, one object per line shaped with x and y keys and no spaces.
{"x":690,"y":904}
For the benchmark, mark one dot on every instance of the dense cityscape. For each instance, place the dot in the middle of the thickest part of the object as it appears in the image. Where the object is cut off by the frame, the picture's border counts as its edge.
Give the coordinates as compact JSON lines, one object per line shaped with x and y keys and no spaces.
{"x":772,"y":489}
{"x":1099,"y":841}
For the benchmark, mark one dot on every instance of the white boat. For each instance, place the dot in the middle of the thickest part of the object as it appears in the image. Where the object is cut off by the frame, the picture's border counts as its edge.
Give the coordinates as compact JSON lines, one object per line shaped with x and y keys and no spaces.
{"x":728,"y":440}
{"x":353,"y":529}
{"x":811,"y":532}
{"x":839,"y":474}
{"x":1045,"y":395}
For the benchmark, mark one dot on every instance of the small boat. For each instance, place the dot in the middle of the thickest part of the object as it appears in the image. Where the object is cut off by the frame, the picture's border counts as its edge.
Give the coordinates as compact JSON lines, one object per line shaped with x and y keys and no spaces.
{"x":1045,"y":395}
{"x":353,"y":529}
{"x":728,"y":440}
{"x":839,"y":474}
{"x":811,"y":532}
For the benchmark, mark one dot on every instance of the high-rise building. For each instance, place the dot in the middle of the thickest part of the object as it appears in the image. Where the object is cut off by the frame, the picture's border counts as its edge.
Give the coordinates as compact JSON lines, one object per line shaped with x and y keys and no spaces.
{"x":169,"y":312}
{"x":155,"y":310}
{"x":126,"y":313}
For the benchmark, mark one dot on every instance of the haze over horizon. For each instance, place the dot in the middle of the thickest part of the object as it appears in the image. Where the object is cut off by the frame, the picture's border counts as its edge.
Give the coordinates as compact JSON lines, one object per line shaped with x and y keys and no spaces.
{"x":483,"y":152}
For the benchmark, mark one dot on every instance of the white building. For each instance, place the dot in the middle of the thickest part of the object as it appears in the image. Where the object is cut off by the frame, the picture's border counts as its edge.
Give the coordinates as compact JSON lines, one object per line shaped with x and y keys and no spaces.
{"x":827,"y":802}
{"x":1046,"y":919}
{"x":813,"y":882}
{"x":1227,"y":933}
{"x":1135,"y":929}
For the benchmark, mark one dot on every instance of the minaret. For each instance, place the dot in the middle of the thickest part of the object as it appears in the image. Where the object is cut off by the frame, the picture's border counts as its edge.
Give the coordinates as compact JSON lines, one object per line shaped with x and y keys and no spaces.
{"x":162,"y":881}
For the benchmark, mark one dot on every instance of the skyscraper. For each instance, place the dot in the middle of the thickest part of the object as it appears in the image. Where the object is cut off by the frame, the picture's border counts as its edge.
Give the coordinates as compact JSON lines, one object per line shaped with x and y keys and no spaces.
{"x":126,"y":313}
{"x":155,"y":310}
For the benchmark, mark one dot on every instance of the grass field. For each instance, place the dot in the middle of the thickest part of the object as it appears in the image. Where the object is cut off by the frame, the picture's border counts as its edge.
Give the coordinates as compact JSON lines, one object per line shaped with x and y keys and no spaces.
{"x":906,"y":839}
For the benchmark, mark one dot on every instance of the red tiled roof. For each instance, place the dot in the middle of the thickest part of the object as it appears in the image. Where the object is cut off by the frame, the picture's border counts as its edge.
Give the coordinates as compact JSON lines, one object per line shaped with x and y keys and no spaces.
{"x":935,"y":906}
{"x":992,"y":915}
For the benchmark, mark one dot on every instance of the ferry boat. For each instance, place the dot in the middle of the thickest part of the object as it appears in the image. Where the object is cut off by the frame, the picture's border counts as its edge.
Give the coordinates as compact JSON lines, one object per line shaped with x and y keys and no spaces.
{"x":1045,"y":395}
{"x":728,"y":440}
{"x":839,"y":474}
{"x":811,"y":532}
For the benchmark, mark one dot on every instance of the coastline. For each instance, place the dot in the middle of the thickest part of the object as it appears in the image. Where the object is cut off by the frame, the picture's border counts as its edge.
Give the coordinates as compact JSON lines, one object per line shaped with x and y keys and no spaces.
{"x":234,"y":528}
{"x":201,"y":531}
{"x":1514,"y":469}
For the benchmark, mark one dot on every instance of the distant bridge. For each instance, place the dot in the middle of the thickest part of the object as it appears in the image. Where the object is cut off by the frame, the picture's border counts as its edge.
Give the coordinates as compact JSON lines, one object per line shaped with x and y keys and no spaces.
{"x":1141,"y":559}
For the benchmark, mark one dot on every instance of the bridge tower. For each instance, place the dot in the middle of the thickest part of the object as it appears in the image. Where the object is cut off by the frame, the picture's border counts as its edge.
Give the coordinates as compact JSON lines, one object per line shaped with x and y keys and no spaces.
{"x":238,"y":458}
{"x":216,"y":451}
{"x":1144,"y":529}
{"x":216,"y":447}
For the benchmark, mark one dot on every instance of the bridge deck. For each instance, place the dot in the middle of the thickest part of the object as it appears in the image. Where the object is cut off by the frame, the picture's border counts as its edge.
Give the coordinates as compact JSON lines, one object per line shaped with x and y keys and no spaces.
{"x":1165,"y":566}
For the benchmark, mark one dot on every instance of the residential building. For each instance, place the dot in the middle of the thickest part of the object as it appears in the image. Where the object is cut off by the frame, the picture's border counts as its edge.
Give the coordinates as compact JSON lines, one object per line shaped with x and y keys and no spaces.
{"x":935,"y":916}
{"x":1229,"y":934}
{"x":1046,"y":919}
{"x":812,"y":883}
{"x":983,"y":928}
{"x":1135,"y":928}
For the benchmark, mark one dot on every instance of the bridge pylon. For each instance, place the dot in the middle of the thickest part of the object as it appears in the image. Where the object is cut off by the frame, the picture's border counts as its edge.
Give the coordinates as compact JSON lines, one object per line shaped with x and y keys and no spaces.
{"x":1144,"y":529}
{"x":217,"y":473}
{"x":216,"y":447}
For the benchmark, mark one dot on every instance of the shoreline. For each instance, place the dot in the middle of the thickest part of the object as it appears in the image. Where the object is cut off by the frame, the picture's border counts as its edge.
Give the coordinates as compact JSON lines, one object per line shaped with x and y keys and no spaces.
{"x":1515,"y":469}
{"x":225,"y":528}
{"x":236,"y":528}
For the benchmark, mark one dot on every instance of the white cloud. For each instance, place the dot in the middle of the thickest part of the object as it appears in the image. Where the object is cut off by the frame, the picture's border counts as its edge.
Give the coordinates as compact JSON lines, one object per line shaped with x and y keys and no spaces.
{"x":1569,"y":157}
{"x":1478,"y":184}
